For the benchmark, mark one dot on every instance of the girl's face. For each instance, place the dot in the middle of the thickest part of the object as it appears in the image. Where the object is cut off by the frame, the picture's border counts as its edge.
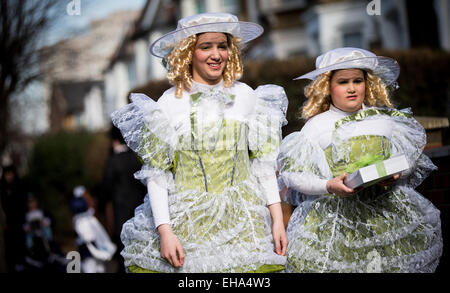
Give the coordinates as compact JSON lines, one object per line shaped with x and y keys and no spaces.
{"x":348,"y":88}
{"x":210,"y":58}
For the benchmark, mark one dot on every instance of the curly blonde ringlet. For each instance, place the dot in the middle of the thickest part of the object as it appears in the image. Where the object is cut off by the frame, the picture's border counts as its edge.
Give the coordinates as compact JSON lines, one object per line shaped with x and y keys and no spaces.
{"x":377,"y":93}
{"x":234,"y":69}
{"x":180,"y":64}
{"x":318,"y":94}
{"x":179,"y":61}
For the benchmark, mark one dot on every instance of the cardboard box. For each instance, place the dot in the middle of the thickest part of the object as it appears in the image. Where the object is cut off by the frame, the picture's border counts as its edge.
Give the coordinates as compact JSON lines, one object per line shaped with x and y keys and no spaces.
{"x":372,"y":174}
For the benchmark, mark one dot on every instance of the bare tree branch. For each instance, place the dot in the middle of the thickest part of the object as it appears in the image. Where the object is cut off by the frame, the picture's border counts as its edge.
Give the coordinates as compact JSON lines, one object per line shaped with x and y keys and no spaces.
{"x":22,"y":24}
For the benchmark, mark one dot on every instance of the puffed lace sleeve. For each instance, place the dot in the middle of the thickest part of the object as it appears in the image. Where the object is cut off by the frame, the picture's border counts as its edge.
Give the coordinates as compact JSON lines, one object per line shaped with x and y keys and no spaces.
{"x":303,"y":166}
{"x":147,"y":132}
{"x":409,"y":138}
{"x":264,"y":138}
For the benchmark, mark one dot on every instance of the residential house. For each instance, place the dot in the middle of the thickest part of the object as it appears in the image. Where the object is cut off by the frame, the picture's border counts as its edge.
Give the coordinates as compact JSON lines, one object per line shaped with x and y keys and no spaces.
{"x":292,"y":28}
{"x":73,"y":73}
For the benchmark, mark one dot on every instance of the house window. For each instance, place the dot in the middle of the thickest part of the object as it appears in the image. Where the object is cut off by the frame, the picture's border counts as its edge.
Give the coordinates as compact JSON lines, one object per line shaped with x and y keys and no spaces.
{"x":353,"y":39}
{"x":131,"y":69}
{"x":200,"y":6}
{"x":231,"y":6}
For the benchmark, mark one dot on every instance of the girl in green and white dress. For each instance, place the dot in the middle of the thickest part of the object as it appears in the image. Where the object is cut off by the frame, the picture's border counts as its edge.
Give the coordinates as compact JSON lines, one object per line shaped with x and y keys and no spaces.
{"x":387,"y":227}
{"x":209,"y":147}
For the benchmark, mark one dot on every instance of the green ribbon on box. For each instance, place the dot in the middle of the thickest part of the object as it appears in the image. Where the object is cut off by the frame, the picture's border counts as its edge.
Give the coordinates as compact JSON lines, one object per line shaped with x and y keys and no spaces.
{"x":367,"y":160}
{"x":381,"y":169}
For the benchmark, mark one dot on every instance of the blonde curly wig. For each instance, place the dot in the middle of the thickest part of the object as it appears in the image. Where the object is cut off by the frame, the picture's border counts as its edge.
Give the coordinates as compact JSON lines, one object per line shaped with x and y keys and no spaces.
{"x":180,"y":64}
{"x":319,"y":98}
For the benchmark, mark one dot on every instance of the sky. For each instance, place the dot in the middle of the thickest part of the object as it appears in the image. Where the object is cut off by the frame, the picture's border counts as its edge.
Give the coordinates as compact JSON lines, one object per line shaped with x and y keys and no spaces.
{"x":77,"y":14}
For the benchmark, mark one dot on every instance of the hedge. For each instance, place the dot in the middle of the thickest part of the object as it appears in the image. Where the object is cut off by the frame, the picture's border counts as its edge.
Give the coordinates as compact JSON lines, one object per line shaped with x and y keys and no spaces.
{"x":59,"y":162}
{"x":424,"y":82}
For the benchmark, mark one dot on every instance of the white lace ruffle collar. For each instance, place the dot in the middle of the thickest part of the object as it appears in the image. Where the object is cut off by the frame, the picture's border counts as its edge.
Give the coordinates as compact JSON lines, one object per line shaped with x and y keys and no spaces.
{"x":201,"y":87}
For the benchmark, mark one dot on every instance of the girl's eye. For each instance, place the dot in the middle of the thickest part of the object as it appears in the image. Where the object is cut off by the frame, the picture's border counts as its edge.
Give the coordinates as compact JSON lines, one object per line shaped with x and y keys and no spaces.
{"x":358,"y":81}
{"x":342,"y":82}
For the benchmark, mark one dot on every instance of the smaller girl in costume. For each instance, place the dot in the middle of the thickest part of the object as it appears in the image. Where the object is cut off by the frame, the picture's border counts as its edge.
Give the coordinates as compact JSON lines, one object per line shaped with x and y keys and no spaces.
{"x":386,"y":227}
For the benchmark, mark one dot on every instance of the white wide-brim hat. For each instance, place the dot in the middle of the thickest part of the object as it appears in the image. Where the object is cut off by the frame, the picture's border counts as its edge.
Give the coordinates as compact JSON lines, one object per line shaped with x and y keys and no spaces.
{"x":355,"y":58}
{"x":202,"y":23}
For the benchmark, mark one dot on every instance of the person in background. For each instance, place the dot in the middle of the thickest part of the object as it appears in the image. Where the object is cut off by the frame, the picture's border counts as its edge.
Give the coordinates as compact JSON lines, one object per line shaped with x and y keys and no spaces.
{"x":43,"y":253}
{"x":3,"y":267}
{"x":14,"y":204}
{"x":94,"y":244}
{"x":121,"y":192}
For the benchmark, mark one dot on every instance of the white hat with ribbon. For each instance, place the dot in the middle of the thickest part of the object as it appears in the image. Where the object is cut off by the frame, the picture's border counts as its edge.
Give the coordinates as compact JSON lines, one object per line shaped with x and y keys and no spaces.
{"x":348,"y":58}
{"x":202,"y":23}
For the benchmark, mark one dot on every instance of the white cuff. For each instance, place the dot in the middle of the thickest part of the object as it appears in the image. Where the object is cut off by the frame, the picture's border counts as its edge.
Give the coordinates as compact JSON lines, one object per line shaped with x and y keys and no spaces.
{"x":305,"y":183}
{"x":159,"y":202}
{"x":269,"y":185}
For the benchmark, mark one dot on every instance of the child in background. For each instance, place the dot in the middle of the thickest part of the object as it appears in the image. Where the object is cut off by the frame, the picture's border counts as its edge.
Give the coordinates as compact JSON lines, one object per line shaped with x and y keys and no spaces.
{"x":94,"y":244}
